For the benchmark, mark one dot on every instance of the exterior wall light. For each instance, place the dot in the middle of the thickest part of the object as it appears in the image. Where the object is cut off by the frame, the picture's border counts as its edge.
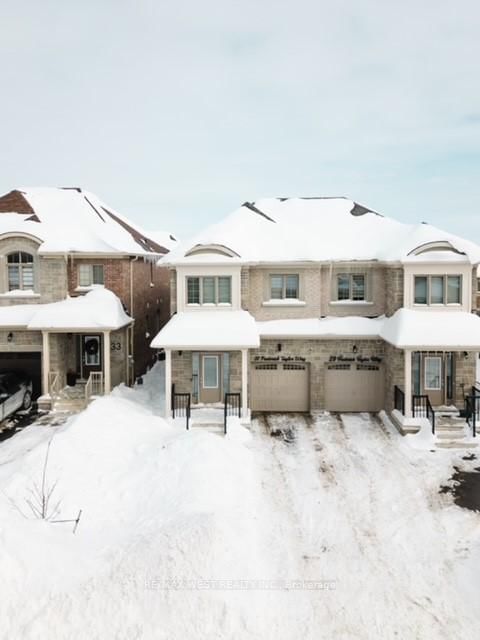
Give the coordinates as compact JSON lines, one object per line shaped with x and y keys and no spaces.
{"x":10,"y":337}
{"x":279,"y":347}
{"x":355,"y":348}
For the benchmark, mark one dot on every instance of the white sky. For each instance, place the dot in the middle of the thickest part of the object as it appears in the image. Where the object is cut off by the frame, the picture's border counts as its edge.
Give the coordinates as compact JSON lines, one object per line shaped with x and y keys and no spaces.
{"x":177,"y":112}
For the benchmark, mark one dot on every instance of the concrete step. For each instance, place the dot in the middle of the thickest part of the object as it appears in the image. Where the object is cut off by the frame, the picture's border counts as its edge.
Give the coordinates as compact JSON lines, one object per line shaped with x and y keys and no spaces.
{"x":458,"y":444}
{"x":450,"y":435}
{"x":69,"y":405}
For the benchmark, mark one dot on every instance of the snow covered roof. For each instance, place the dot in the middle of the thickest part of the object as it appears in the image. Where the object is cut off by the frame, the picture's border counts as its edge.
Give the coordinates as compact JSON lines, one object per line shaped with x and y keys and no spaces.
{"x":349,"y":327}
{"x":455,"y":330}
{"x":99,"y":309}
{"x":73,"y":220}
{"x":208,"y":329}
{"x":278,"y":230}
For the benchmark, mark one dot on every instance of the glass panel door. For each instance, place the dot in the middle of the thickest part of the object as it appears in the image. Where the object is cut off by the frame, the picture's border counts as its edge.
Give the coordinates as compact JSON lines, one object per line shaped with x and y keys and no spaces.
{"x":210,"y":372}
{"x":433,"y":373}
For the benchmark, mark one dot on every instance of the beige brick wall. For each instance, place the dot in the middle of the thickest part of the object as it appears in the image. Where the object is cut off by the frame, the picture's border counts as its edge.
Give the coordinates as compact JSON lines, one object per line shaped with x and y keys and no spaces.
{"x":375,"y":291}
{"x":256,"y":291}
{"x":465,"y":369}
{"x":50,"y":274}
{"x":394,"y":280}
{"x":21,"y":340}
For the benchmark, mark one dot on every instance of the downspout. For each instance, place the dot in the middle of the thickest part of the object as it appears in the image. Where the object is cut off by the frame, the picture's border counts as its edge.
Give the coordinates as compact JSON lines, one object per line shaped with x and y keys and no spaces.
{"x":131,"y":354}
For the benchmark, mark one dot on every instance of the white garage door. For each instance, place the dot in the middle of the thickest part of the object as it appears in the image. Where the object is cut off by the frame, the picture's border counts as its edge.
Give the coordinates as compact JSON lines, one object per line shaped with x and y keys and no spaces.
{"x":279,"y":387}
{"x":354,"y":387}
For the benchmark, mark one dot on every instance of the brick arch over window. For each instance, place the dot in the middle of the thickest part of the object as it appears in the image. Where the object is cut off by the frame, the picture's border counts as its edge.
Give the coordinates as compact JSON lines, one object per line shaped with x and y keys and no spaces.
{"x":20,"y":270}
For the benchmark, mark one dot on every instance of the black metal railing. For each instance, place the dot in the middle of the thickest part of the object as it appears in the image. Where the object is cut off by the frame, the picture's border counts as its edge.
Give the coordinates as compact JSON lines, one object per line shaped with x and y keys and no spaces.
{"x":472,"y":412}
{"x":422,"y":408}
{"x":399,"y":400}
{"x":181,"y":403}
{"x":232,"y":407}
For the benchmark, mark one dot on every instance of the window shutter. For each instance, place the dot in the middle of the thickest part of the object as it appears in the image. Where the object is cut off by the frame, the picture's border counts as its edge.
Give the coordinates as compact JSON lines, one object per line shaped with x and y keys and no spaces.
{"x":195,"y":376}
{"x":226,"y":373}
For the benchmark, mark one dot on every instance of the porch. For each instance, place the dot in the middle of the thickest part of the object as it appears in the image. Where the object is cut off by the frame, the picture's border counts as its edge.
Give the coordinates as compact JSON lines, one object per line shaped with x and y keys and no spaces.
{"x":206,"y":358}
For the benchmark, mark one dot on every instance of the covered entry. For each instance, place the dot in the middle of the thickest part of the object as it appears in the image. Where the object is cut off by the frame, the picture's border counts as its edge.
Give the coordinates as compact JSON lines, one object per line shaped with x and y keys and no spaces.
{"x":280,"y":386}
{"x":352,"y":386}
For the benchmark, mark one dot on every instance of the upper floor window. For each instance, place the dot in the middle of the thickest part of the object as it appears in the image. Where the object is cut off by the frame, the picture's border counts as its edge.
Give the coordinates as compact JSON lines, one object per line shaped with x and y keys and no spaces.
{"x":351,"y":286}
{"x":209,"y":290}
{"x":284,"y":287}
{"x":90,"y":274}
{"x":431,"y":290}
{"x":20,"y":270}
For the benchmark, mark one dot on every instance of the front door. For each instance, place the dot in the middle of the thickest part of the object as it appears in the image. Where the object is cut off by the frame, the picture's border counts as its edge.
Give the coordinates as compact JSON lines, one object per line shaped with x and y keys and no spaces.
{"x":210,"y":378}
{"x":91,"y":354}
{"x":433,"y":379}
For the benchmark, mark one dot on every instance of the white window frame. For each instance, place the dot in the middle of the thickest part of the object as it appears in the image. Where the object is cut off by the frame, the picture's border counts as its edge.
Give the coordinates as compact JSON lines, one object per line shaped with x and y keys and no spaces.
{"x":350,"y":277}
{"x":284,"y":277}
{"x":445,"y":277}
{"x":216,"y":303}
{"x":217,"y":367}
{"x":21,"y":266}
{"x":90,"y":267}
{"x":428,"y":359}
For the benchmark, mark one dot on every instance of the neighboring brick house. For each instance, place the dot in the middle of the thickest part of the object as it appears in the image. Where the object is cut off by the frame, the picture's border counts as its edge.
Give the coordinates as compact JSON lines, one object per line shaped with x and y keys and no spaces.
{"x":59,"y":243}
{"x":322,"y":304}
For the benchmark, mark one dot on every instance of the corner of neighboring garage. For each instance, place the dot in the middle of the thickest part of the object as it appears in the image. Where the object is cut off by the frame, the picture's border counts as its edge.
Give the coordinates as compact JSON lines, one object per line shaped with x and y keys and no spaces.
{"x":28,"y":362}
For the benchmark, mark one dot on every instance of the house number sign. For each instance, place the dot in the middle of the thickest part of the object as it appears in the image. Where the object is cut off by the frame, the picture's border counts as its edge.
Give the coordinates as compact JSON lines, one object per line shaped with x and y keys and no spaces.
{"x":116,"y":346}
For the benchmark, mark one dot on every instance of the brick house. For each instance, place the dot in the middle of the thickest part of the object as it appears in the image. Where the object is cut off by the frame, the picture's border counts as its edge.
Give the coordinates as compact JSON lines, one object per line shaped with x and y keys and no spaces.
{"x":322,"y":304}
{"x":60,"y":245}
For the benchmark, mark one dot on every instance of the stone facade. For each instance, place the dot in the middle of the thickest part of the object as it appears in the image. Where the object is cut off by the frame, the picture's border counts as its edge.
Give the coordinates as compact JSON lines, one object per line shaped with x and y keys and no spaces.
{"x":394,"y":373}
{"x":394,"y":289}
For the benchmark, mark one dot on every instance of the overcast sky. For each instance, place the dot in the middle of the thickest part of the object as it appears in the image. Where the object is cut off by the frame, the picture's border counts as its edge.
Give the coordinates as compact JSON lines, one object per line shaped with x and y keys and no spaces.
{"x":176,"y":112}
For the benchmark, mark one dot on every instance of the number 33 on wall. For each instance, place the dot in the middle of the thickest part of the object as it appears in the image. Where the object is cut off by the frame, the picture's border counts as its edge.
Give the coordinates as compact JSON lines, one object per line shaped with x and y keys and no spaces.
{"x":116,"y":346}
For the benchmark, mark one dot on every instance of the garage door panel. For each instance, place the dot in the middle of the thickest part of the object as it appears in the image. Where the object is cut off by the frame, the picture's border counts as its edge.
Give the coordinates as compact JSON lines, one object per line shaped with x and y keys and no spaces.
{"x":354,"y":387}
{"x":279,"y":387}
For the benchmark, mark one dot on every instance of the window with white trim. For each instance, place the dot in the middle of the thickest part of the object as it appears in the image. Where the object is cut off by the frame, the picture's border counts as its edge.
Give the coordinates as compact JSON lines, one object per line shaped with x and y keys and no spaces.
{"x":209,"y":290}
{"x":284,"y":287}
{"x":90,"y":274}
{"x":351,"y":287}
{"x":437,"y":289}
{"x":20,"y":271}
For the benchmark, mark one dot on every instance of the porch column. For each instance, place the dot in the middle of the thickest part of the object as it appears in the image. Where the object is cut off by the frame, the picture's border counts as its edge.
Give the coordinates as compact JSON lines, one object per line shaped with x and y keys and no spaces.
{"x":244,"y":383}
{"x":408,"y":383}
{"x":45,"y":361}
{"x":106,"y":362}
{"x":168,"y":382}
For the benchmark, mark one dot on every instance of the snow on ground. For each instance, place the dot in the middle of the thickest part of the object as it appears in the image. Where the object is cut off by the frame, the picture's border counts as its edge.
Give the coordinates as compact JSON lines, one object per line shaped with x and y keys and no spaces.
{"x":341,"y":511}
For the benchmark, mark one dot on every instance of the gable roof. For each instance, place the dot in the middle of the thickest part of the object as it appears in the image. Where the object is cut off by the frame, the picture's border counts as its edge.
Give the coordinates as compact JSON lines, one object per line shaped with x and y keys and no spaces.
{"x":72,"y":220}
{"x":277,"y":230}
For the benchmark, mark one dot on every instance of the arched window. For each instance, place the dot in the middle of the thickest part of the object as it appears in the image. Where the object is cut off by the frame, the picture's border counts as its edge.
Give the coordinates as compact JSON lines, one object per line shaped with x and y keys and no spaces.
{"x":20,"y":270}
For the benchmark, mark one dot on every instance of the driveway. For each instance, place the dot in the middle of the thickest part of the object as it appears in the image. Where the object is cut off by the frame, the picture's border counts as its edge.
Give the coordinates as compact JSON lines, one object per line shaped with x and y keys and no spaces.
{"x":354,"y":504}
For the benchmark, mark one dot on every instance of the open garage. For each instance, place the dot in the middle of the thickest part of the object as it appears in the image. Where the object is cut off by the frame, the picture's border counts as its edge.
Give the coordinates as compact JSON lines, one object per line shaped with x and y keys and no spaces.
{"x":29,"y":362}
{"x":280,"y":386}
{"x":352,"y":386}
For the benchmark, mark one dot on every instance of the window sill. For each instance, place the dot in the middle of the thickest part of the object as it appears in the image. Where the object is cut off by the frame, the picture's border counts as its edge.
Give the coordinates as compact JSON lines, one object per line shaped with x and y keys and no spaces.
{"x":355,"y":303}
{"x":208,"y":305}
{"x":18,"y":293}
{"x":286,"y":302}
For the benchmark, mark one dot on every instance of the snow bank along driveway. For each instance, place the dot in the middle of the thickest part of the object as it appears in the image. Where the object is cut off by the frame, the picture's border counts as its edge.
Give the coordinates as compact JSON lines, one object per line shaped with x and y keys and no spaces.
{"x":174,"y":523}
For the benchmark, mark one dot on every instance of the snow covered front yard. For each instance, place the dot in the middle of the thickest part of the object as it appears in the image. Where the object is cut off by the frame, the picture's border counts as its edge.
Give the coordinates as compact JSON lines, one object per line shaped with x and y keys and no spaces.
{"x":321,"y":527}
